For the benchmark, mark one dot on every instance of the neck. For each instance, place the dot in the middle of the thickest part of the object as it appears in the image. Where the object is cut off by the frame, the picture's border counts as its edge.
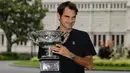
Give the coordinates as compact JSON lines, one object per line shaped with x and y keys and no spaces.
{"x":65,"y":29}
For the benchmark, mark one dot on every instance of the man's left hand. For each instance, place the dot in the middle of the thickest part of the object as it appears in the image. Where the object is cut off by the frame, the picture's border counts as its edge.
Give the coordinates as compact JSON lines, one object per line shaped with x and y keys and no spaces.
{"x":62,"y":50}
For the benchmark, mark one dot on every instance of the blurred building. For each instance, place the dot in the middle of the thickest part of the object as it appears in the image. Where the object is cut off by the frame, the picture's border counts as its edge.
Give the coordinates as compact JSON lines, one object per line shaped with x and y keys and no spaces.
{"x":102,"y":19}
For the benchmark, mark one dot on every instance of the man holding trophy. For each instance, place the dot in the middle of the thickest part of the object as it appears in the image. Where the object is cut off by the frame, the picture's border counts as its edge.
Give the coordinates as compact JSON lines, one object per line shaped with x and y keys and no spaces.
{"x":75,"y":51}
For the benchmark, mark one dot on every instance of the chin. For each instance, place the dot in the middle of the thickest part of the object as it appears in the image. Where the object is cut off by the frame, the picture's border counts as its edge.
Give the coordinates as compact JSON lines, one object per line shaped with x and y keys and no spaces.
{"x":69,"y":27}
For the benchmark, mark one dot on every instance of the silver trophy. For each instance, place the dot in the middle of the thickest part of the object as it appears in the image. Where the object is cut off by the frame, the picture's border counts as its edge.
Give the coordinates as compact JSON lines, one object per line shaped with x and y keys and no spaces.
{"x":45,"y":39}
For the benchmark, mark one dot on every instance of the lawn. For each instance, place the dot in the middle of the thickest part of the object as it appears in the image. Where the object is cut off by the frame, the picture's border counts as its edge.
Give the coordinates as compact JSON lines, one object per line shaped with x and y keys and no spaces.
{"x":26,"y":63}
{"x":113,"y":68}
{"x":36,"y":64}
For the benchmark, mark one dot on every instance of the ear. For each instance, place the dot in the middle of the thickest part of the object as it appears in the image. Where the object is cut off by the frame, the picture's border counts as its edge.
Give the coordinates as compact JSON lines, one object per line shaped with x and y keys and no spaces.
{"x":58,"y":15}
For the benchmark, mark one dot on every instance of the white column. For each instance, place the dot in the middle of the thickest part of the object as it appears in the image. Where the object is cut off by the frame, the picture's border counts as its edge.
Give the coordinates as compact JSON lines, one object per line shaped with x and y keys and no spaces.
{"x":123,"y":5}
{"x":90,"y":23}
{"x":5,"y":40}
{"x":109,"y":22}
{"x":120,"y":5}
{"x":91,"y":5}
{"x":0,"y":39}
{"x":127,"y":39}
{"x":107,"y":38}
{"x":97,"y":5}
{"x":120,"y":39}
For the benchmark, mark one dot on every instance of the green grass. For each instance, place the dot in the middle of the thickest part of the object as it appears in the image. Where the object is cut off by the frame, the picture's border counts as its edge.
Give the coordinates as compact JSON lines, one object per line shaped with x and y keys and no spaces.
{"x":36,"y":64}
{"x":122,"y":68}
{"x":26,"y":64}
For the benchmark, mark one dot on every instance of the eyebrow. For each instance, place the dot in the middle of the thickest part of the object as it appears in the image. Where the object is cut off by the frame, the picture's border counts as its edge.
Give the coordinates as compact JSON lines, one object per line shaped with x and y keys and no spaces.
{"x":69,"y":16}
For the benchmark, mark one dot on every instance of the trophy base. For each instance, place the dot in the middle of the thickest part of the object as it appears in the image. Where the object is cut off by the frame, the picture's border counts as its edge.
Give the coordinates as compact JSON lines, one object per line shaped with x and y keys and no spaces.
{"x":49,"y":72}
{"x":49,"y":65}
{"x":54,"y":57}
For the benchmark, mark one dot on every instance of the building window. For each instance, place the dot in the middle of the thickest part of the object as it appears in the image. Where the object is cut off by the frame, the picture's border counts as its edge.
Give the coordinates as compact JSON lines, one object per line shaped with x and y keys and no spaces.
{"x":113,"y":37}
{"x":125,"y":5}
{"x":99,"y":5}
{"x":85,"y":6}
{"x":111,"y":5}
{"x":93,"y":5}
{"x":103,"y":6}
{"x":118,"y":6}
{"x":22,"y":43}
{"x":99,"y":38}
{"x":88,"y":5}
{"x":122,"y":39}
{"x":82,"y":6}
{"x":44,"y":6}
{"x":104,"y":39}
{"x":114,"y":5}
{"x":53,"y":6}
{"x":96,"y":5}
{"x":117,"y":40}
{"x":95,"y":40}
{"x":121,"y":5}
{"x":50,"y":6}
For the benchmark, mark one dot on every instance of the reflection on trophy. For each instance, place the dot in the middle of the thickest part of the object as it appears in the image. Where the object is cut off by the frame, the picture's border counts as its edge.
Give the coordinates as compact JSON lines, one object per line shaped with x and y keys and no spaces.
{"x":49,"y":62}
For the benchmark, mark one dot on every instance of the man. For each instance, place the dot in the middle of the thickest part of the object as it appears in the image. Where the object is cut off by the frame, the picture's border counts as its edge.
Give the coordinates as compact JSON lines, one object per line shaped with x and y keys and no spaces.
{"x":77,"y":51}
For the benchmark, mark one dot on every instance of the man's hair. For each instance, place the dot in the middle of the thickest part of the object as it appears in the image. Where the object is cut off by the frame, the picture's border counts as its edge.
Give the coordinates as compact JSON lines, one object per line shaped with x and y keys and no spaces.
{"x":68,"y":4}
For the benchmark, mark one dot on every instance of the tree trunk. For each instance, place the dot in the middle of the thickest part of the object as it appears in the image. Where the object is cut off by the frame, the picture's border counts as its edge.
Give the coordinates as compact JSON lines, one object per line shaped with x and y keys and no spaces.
{"x":9,"y":46}
{"x":9,"y":43}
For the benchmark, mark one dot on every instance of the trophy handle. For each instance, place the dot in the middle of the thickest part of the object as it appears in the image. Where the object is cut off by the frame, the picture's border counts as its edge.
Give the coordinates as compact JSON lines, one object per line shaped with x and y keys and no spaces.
{"x":33,"y":37}
{"x":65,"y":39}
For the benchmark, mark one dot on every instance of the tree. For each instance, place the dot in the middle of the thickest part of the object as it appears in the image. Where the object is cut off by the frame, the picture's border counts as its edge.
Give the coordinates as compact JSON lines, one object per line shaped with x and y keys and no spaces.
{"x":18,"y":17}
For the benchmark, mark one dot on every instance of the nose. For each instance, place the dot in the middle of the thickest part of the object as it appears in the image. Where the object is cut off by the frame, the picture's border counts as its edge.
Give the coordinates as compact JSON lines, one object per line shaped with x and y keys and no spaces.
{"x":70,"y":20}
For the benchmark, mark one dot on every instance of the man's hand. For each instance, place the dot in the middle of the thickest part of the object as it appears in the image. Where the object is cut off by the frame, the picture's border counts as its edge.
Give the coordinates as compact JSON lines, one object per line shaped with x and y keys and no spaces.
{"x":62,"y":50}
{"x":86,"y":62}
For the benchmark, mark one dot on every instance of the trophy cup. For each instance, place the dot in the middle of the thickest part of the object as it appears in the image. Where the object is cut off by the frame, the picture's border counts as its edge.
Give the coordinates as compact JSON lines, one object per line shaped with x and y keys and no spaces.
{"x":49,"y":62}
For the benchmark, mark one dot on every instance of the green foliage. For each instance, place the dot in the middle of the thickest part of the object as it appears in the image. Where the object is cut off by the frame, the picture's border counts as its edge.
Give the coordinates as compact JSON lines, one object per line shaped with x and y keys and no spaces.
{"x":3,"y":57}
{"x":99,"y":64}
{"x":120,"y":52}
{"x":10,"y":55}
{"x":24,"y":56}
{"x":35,"y":59}
{"x":105,"y":52}
{"x":14,"y":56}
{"x":112,"y":52}
{"x":18,"y":17}
{"x":111,"y":62}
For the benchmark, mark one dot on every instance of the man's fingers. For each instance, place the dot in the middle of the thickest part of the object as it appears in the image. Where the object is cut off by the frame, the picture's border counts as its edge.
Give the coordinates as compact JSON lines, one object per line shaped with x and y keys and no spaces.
{"x":58,"y":45}
{"x":55,"y":51}
{"x":55,"y":48}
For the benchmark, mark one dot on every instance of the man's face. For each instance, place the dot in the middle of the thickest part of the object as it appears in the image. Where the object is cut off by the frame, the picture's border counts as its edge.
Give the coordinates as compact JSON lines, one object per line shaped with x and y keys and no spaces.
{"x":67,"y":19}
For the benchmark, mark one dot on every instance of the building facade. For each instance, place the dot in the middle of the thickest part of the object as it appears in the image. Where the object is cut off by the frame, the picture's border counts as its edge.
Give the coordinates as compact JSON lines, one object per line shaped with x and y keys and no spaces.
{"x":102,"y":19}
